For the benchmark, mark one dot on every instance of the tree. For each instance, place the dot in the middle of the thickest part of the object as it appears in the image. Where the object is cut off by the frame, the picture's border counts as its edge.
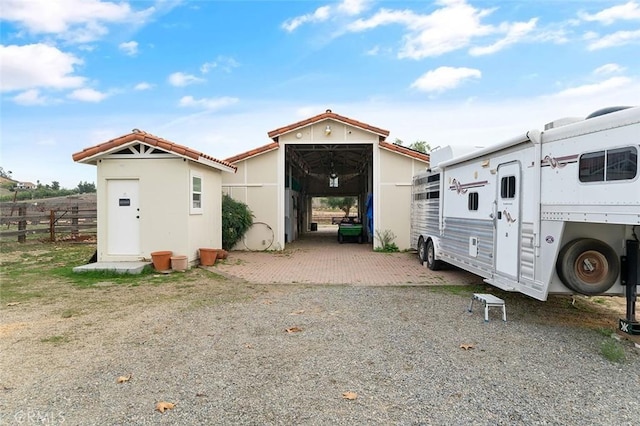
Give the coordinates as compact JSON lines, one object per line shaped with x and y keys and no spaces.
{"x":6,"y":175}
{"x":342,"y":203}
{"x":86,"y":187}
{"x":55,"y":185}
{"x":420,"y":146}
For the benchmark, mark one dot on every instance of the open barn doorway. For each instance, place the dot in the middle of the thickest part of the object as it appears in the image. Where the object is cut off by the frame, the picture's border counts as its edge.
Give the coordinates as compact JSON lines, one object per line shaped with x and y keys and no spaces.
{"x":326,"y":191}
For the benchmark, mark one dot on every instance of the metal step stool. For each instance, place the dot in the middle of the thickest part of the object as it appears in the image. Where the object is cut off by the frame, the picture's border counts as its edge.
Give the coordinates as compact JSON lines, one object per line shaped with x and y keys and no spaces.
{"x":489,"y":300}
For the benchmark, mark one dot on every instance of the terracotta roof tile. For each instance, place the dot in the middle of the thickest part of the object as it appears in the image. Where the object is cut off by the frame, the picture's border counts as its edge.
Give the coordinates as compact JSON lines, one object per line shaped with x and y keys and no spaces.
{"x":404,"y":150}
{"x":149,"y":139}
{"x":262,"y":149}
{"x":325,"y":115}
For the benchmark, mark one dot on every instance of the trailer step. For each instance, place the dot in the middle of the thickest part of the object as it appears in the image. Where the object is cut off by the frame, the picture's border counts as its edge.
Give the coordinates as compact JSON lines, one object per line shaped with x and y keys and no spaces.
{"x":489,"y":300}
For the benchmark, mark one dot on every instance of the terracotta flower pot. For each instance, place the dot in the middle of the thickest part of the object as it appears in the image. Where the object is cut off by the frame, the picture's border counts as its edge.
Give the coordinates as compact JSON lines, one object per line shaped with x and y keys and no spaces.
{"x":179,"y":263}
{"x":222,"y":254}
{"x":208,"y":256}
{"x":161,"y":260}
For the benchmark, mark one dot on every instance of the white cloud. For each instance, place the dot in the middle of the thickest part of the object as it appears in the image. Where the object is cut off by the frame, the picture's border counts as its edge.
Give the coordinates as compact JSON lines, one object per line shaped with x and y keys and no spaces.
{"x":446,"y":29}
{"x":629,"y":11}
{"x":30,"y":97}
{"x":87,"y":95}
{"x":129,"y":48}
{"x":320,"y":14}
{"x":37,"y":65}
{"x":444,"y":78}
{"x":608,"y":69}
{"x":594,"y":89}
{"x":207,"y":103}
{"x":222,"y":62}
{"x":514,"y":33}
{"x":77,"y":21}
{"x":619,"y":38}
{"x":373,"y":51}
{"x":181,"y":79}
{"x":353,"y":7}
{"x":143,"y":86}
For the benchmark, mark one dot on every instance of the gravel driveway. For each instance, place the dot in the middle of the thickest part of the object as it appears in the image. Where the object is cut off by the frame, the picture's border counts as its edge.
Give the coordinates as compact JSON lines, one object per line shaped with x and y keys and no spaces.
{"x":219,"y":351}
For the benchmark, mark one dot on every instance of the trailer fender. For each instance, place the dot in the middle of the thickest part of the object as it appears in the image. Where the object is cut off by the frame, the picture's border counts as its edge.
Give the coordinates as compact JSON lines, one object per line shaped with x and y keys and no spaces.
{"x":588,"y":266}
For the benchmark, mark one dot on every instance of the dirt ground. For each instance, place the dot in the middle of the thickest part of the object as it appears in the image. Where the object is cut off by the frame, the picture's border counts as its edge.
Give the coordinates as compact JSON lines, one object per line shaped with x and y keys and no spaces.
{"x":54,"y":324}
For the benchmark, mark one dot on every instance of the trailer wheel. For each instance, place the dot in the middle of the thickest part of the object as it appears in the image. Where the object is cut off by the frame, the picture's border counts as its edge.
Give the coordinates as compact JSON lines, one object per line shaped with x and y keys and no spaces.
{"x":432,"y":263}
{"x":422,"y":251}
{"x":588,"y":266}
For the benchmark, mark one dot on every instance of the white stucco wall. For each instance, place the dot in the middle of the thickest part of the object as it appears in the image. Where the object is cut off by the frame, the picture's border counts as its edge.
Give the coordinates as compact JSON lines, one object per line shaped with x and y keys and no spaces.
{"x":394,"y":192}
{"x":164,"y":200}
{"x":256,"y":184}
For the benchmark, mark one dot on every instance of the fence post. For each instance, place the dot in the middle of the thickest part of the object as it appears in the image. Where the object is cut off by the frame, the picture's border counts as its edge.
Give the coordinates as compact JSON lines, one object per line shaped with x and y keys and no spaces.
{"x":74,"y":223}
{"x":52,"y":225}
{"x":22,"y":224}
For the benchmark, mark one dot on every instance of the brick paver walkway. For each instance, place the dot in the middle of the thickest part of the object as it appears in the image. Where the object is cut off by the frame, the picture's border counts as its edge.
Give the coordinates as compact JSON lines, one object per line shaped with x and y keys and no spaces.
{"x":318,"y":258}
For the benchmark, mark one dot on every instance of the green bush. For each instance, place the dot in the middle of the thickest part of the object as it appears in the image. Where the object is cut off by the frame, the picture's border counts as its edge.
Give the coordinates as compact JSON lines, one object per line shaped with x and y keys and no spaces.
{"x":237,"y":218}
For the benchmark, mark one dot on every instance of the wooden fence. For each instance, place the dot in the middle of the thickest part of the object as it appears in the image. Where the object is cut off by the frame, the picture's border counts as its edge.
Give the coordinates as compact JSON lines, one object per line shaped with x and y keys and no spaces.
{"x":73,"y":221}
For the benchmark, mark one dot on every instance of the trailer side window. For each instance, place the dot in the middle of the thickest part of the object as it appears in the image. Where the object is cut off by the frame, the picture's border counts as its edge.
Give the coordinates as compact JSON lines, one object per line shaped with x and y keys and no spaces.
{"x":592,"y":167}
{"x":473,"y":201}
{"x":508,"y":187}
{"x":622,"y":163}
{"x":613,"y":164}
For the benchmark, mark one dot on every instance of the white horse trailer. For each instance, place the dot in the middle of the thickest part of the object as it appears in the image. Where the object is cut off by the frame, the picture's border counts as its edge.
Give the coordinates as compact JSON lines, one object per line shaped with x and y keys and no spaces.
{"x":553,"y":211}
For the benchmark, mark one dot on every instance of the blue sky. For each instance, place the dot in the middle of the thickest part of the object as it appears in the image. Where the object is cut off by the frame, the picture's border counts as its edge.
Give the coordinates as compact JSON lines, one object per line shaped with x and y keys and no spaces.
{"x":218,"y":75}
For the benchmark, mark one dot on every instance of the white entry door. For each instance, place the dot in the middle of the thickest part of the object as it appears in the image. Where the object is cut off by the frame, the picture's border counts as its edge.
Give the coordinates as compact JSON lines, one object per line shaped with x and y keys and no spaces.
{"x":508,"y":219}
{"x":123,"y":217}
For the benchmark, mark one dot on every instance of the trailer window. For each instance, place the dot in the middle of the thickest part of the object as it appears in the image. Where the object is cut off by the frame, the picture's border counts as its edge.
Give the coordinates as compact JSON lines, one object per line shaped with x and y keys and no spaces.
{"x":473,"y":201}
{"x":508,"y":187}
{"x":622,"y":163}
{"x":592,"y":167}
{"x":613,"y":164}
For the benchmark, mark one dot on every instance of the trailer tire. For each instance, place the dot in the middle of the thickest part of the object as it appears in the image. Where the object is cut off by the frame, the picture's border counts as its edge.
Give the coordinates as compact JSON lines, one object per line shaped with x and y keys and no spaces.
{"x":432,"y":263}
{"x":588,"y":266}
{"x":422,"y":251}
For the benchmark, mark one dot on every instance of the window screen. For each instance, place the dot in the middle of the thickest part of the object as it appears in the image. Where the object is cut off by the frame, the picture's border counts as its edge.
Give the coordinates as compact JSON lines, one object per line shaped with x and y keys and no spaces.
{"x":610,"y":165}
{"x":196,"y":194}
{"x":622,"y":163}
{"x":473,"y":201}
{"x":508,"y":187}
{"x":592,"y":167}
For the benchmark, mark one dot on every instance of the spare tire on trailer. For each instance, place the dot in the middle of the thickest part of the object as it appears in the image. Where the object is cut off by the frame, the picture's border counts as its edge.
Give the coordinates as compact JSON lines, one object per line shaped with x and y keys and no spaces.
{"x":588,"y":266}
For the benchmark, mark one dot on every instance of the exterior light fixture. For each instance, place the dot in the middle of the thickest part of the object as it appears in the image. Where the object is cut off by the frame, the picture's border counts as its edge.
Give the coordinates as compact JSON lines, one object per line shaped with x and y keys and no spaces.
{"x":327,"y":130}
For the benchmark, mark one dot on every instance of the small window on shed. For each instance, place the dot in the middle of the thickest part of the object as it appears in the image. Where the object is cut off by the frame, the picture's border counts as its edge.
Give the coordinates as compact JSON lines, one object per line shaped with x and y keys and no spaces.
{"x":473,"y":201}
{"x":508,"y":187}
{"x":196,"y":194}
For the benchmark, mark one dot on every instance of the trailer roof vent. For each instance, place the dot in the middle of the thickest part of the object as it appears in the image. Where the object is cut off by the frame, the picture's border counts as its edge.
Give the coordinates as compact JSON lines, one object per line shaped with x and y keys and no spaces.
{"x":607,"y":110}
{"x":561,"y":122}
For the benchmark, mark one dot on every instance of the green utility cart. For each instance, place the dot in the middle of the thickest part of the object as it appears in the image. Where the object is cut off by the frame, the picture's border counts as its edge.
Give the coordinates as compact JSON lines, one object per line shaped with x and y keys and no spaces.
{"x":350,"y":228}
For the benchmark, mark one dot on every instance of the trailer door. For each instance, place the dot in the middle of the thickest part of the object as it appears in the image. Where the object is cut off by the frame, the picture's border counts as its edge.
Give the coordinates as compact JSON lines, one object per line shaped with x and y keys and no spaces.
{"x":508,"y":219}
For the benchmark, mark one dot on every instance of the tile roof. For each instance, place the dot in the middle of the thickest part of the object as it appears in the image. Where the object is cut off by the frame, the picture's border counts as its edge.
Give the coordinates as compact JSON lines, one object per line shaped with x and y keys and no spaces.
{"x":325,"y":115}
{"x":147,"y":138}
{"x":260,"y":150}
{"x":404,"y":150}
